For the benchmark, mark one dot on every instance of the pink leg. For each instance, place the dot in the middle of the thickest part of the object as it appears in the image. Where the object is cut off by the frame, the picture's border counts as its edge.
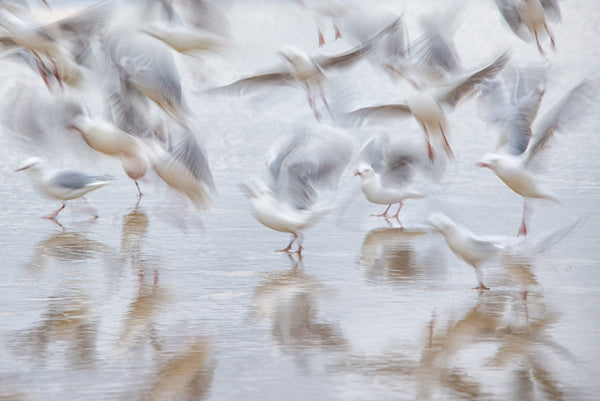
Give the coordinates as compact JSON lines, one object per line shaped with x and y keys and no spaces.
{"x":550,"y":35}
{"x":325,"y":101}
{"x":312,"y":104}
{"x":480,"y":280}
{"x":300,"y":241}
{"x":396,"y":215}
{"x":447,"y":147}
{"x":384,"y":214}
{"x":537,"y":39}
{"x":321,"y":39}
{"x":53,"y":215}
{"x":428,"y":139}
{"x":287,"y":248}
{"x":523,"y":228}
{"x":338,"y":34}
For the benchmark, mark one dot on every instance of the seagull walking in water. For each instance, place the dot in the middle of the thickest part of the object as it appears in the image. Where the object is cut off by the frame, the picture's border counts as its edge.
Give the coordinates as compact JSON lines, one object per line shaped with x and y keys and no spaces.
{"x":513,"y":166}
{"x":386,"y":173}
{"x":301,"y":172}
{"x":61,"y":185}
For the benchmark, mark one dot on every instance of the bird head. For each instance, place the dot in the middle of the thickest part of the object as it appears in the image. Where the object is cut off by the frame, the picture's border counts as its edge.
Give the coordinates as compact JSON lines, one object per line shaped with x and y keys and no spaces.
{"x":490,"y":160}
{"x":440,"y":222}
{"x":364,"y":171}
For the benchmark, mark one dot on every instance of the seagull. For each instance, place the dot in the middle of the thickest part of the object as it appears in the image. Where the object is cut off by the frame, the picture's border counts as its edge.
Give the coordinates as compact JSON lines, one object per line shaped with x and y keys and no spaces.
{"x":479,"y":250}
{"x":526,"y":17}
{"x":61,"y":185}
{"x":323,"y":10}
{"x":513,"y":166}
{"x":470,"y":248}
{"x":302,"y":170}
{"x":307,"y":71}
{"x":425,"y":104}
{"x":386,"y":173}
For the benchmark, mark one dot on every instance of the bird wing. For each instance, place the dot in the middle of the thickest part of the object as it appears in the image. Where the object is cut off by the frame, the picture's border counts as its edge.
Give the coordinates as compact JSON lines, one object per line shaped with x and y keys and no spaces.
{"x":570,"y":106}
{"x":74,"y":179}
{"x":472,"y":84}
{"x":381,"y":112}
{"x":248,"y":84}
{"x":551,"y":9}
{"x":188,"y":153}
{"x":519,"y":123}
{"x":509,"y":11}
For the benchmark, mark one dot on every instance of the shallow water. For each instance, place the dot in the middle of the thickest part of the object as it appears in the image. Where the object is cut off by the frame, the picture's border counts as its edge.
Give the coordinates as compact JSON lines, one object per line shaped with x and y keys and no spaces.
{"x":151,"y":302}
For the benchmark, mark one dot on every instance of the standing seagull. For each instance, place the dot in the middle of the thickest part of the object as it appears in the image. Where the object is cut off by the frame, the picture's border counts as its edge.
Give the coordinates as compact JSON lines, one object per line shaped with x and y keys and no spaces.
{"x":385,"y":174}
{"x":309,"y":164}
{"x":526,"y":17}
{"x":470,"y":248}
{"x":426,"y":105}
{"x":514,"y":167}
{"x":61,"y":185}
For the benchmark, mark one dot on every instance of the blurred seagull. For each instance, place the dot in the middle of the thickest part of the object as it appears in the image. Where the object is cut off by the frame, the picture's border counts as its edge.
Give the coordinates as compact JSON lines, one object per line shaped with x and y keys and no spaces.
{"x":323,"y":10}
{"x":526,"y":17}
{"x":386,"y":173}
{"x":425,"y":104}
{"x":470,"y":248}
{"x":514,"y":166}
{"x":302,"y":170}
{"x":307,"y":71}
{"x":61,"y":185}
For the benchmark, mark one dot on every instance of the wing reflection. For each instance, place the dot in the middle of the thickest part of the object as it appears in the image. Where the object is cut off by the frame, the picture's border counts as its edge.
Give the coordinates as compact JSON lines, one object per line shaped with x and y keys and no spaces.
{"x":289,"y":301}
{"x":67,"y":246}
{"x":67,"y":325}
{"x":390,"y":254}
{"x":504,"y":331}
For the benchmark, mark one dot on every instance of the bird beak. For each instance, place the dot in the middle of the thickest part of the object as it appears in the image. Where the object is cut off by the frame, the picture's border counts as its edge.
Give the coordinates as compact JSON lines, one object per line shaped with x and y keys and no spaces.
{"x":357,"y":173}
{"x":482,"y":164}
{"x":21,"y":168}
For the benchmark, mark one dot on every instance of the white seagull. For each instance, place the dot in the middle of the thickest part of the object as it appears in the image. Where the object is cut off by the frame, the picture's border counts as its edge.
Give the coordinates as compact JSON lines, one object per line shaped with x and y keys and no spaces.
{"x":307,"y":71}
{"x":425,"y":104}
{"x":306,"y":166}
{"x":514,"y":166}
{"x":386,"y":173}
{"x":62,"y":185}
{"x":526,"y":17}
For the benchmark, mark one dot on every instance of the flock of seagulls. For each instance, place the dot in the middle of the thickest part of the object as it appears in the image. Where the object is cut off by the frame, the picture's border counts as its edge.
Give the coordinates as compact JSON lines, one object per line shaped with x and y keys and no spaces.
{"x":145,"y":120}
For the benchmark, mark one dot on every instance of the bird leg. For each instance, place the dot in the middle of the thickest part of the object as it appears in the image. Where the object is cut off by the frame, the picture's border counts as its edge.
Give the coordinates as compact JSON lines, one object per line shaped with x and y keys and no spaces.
{"x":480,"y":279}
{"x":447,"y":147}
{"x":322,"y":92}
{"x":300,"y":240}
{"x":338,"y":34}
{"x":523,"y":228}
{"x":138,"y":188}
{"x":89,"y":209}
{"x":550,"y":35}
{"x":289,"y":246}
{"x":396,"y":215}
{"x":537,"y":39}
{"x":321,"y":38}
{"x":53,"y":215}
{"x":384,"y":214}
{"x":428,"y":140}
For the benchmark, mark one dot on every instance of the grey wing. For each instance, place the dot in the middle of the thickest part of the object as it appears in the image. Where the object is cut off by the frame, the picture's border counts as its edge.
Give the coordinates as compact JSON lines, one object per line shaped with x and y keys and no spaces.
{"x":74,"y":179}
{"x":552,"y":10}
{"x":434,"y":51}
{"x":371,"y":154}
{"x":510,"y":13}
{"x":190,"y":154}
{"x":472,"y":84}
{"x":572,"y":105}
{"x":350,"y":57}
{"x":400,"y":166}
{"x":519,"y":123}
{"x":249,"y":84}
{"x":287,"y":148}
{"x":381,"y":112}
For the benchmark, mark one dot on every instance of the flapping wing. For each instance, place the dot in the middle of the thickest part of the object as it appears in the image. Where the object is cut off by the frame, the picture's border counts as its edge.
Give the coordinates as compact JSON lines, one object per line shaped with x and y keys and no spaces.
{"x":519,"y":123}
{"x":472,"y":84}
{"x":249,"y":84}
{"x":552,"y":10}
{"x":510,"y":13}
{"x":381,"y":112}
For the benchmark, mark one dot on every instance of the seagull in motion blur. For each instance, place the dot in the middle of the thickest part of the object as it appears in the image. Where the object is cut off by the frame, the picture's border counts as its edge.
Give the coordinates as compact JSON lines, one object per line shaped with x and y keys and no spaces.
{"x":526,"y":17}
{"x":307,"y":71}
{"x":302,"y":172}
{"x":425,"y":104}
{"x":386,"y":173}
{"x":513,"y":165}
{"x":61,"y":185}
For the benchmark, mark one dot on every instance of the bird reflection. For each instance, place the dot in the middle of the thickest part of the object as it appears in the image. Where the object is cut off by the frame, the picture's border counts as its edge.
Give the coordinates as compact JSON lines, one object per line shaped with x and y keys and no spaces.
{"x":133,"y":231}
{"x":390,"y":254}
{"x":288,"y":299}
{"x":184,"y":375}
{"x":66,"y":246}
{"x":66,"y":325}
